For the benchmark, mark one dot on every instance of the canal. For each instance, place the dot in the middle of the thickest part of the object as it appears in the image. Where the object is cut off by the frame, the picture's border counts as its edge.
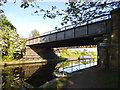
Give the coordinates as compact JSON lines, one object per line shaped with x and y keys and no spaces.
{"x":37,"y":74}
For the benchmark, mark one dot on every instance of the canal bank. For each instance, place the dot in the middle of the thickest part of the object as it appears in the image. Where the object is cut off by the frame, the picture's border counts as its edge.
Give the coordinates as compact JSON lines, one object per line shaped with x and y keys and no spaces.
{"x":20,"y":62}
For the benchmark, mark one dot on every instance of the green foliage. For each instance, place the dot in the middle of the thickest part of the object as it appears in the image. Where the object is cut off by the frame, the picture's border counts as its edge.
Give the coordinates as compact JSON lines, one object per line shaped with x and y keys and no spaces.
{"x":84,"y":62}
{"x":80,"y":12}
{"x":76,"y":12}
{"x":5,"y":22}
{"x":67,"y":53}
{"x":66,"y":63}
{"x":11,"y":42}
{"x":34,"y":33}
{"x":12,"y":78}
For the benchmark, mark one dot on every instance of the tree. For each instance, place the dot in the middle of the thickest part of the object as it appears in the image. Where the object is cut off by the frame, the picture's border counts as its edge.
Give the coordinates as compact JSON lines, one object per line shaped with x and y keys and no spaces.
{"x":80,"y":12}
{"x":76,"y":12}
{"x":34,"y":33}
{"x":11,"y":42}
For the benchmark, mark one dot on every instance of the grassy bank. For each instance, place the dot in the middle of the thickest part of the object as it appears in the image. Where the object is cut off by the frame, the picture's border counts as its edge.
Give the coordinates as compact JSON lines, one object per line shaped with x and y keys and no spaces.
{"x":67,"y":53}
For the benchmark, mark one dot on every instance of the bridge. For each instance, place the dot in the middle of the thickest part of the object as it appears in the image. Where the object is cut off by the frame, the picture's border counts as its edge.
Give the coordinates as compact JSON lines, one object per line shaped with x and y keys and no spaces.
{"x":73,"y":35}
{"x":101,"y":32}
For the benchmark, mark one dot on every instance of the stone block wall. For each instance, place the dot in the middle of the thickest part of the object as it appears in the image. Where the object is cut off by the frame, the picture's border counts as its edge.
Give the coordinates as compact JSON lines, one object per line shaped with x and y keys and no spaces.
{"x":114,"y":56}
{"x":35,"y":52}
{"x":110,"y":52}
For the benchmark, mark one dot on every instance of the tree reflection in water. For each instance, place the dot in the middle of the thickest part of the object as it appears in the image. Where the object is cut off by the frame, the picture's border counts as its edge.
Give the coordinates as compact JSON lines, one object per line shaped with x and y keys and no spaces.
{"x":12,"y":78}
{"x":34,"y":74}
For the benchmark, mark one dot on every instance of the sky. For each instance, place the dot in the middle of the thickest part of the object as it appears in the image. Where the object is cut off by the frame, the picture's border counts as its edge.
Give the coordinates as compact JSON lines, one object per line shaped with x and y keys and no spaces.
{"x":25,"y":22}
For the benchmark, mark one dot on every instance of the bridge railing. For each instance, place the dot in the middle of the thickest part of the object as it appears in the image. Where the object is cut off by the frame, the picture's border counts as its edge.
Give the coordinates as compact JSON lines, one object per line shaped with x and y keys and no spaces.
{"x":95,"y":19}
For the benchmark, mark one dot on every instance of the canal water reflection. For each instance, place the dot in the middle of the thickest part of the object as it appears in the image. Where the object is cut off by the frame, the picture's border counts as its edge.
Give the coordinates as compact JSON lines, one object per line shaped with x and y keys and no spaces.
{"x":67,"y":67}
{"x":34,"y":74}
{"x":15,"y":76}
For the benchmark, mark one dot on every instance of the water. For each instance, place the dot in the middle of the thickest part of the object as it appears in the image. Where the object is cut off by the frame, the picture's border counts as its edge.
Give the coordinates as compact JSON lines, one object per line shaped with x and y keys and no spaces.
{"x":35,"y":75}
{"x":27,"y":75}
{"x":70,"y":68}
{"x":76,"y":68}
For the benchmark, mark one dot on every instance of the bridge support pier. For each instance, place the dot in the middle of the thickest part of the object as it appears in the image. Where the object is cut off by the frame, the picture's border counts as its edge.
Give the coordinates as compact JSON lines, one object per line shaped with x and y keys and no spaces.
{"x":109,"y":45}
{"x":114,"y":56}
{"x":103,"y":52}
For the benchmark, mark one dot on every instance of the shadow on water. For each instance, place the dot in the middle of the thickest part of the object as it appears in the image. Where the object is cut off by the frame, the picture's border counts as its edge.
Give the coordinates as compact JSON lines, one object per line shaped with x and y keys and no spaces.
{"x":34,"y":74}
{"x":42,"y":75}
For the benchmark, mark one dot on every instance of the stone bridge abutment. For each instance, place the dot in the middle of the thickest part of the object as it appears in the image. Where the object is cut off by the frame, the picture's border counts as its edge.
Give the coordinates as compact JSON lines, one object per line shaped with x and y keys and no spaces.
{"x":36,"y":52}
{"x":109,"y":45}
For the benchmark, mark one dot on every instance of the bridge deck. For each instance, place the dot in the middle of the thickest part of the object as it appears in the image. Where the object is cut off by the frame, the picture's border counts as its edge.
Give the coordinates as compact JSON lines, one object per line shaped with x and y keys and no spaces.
{"x":84,"y":31}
